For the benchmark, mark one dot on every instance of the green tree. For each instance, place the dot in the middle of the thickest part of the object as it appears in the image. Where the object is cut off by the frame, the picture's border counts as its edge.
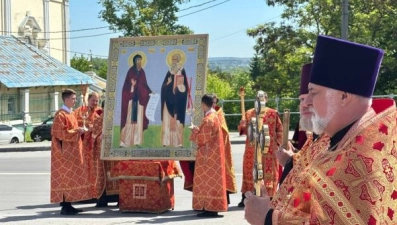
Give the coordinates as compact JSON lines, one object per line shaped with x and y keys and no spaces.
{"x":81,"y":63}
{"x":282,"y":58}
{"x":218,"y":86}
{"x":256,"y":66}
{"x":224,"y":75}
{"x":288,"y":45}
{"x":100,"y":67}
{"x":143,"y":17}
{"x":227,"y":87}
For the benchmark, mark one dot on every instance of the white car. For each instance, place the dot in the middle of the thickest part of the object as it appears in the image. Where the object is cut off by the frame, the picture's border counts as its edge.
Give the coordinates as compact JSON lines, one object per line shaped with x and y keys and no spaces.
{"x":10,"y":134}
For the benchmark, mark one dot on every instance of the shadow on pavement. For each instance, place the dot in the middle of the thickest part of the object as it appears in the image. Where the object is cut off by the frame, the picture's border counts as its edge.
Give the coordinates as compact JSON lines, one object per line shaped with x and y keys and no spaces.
{"x":177,"y":216}
{"x":235,"y":208}
{"x":37,"y":206}
{"x":108,"y":212}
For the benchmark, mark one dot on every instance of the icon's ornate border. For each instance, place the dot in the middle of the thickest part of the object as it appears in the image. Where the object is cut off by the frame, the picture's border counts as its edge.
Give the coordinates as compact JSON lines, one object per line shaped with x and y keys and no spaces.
{"x":109,"y":153}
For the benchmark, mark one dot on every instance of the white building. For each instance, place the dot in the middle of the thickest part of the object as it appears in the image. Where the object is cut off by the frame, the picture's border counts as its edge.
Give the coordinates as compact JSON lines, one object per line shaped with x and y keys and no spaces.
{"x":41,"y":23}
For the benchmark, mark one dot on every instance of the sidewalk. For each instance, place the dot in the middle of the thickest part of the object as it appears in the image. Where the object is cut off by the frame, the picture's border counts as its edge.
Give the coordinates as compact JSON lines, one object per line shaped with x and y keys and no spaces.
{"x":26,"y":147}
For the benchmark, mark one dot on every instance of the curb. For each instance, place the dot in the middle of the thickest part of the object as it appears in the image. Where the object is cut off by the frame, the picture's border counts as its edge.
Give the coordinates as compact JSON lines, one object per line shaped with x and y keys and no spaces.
{"x":26,"y":149}
{"x":237,"y":142}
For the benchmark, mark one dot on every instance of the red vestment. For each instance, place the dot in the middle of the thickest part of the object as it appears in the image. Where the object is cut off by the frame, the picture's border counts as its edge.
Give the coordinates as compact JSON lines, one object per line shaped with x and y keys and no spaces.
{"x":69,"y":174}
{"x":102,"y":168}
{"x":301,"y":160}
{"x":231,"y":186}
{"x":188,"y":166}
{"x":269,"y":161}
{"x":355,"y":183}
{"x":92,"y":158}
{"x":209,"y":189}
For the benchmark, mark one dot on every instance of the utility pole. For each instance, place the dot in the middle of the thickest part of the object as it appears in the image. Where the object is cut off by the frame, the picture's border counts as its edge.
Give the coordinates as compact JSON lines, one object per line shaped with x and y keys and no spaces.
{"x":91,"y":65}
{"x":345,"y":18}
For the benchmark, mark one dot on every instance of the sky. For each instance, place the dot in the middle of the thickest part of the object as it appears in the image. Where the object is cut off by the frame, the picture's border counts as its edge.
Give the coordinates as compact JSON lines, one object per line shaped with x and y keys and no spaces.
{"x":226,"y":25}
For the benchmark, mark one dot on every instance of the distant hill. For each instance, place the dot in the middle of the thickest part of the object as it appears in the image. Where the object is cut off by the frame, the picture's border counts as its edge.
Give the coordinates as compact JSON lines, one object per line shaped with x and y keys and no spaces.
{"x":228,"y":63}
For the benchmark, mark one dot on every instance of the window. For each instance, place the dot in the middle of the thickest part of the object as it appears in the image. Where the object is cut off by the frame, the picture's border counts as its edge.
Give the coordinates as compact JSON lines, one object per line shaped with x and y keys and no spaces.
{"x":11,"y":105}
{"x":49,"y":121}
{"x":5,"y":128}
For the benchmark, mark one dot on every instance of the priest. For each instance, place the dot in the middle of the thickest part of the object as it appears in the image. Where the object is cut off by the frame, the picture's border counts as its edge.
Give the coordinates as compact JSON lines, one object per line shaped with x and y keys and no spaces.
{"x":351,"y":180}
{"x":209,"y":181}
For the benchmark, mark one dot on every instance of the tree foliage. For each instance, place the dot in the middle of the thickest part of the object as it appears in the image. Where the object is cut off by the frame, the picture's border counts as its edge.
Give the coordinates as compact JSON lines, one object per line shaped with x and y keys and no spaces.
{"x":100,"y":66}
{"x":286,"y":46}
{"x":256,"y":66}
{"x":219,"y":86}
{"x":143,"y":17}
{"x":226,"y":86}
{"x":83,"y":64}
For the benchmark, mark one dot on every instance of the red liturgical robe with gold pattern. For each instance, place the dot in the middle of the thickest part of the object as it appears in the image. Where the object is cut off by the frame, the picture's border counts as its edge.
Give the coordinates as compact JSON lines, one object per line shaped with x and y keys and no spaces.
{"x":356,"y":183}
{"x":102,"y":168}
{"x":281,"y":200}
{"x":93,"y":160}
{"x":271,"y":167}
{"x":230,"y":176}
{"x":209,"y":184}
{"x":69,"y":175}
{"x":248,"y":159}
{"x":97,"y":170}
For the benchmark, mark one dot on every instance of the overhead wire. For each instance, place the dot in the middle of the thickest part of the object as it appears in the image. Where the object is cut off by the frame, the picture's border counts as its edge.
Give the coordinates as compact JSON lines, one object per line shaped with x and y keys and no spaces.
{"x":209,"y":7}
{"x":80,"y":53}
{"x":236,"y":32}
{"x":219,"y":38}
{"x":102,"y":27}
{"x":85,"y":36}
{"x":195,"y":6}
{"x":102,"y":34}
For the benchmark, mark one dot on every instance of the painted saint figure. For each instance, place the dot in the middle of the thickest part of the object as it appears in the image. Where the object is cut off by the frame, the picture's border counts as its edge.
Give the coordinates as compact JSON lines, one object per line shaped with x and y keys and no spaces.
{"x":173,"y":103}
{"x":135,"y":97}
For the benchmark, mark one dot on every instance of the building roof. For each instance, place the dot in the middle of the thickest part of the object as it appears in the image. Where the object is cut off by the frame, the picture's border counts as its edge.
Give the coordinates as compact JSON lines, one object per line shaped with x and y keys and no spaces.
{"x":23,"y":65}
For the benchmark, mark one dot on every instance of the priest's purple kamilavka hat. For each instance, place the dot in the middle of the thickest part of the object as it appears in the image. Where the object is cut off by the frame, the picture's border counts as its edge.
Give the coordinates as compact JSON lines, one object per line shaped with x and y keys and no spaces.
{"x":346,"y":66}
{"x":305,"y":76}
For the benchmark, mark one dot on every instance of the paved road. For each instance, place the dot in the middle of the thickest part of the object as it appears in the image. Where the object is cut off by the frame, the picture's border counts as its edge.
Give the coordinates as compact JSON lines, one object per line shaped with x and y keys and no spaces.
{"x":25,"y":185}
{"x":24,"y":197}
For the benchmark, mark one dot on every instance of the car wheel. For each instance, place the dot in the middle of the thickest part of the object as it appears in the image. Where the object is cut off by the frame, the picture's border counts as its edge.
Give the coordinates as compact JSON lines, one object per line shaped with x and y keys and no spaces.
{"x":14,"y":140}
{"x":37,"y":138}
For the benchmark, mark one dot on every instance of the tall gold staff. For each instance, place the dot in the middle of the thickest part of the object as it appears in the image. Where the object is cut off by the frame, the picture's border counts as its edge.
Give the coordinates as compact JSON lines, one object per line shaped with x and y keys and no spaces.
{"x":242,"y":126}
{"x":259,"y":133}
{"x":286,"y":119}
{"x":84,"y":108}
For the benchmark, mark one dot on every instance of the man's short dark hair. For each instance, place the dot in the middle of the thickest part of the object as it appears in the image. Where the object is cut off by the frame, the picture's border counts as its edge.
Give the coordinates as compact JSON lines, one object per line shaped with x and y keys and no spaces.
{"x":67,"y":93}
{"x":208,"y":100}
{"x":92,"y":94}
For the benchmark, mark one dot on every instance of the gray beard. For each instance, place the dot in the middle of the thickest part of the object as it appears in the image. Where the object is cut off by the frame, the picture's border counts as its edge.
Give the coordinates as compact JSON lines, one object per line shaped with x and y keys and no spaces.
{"x":174,"y":68}
{"x":305,"y":124}
{"x":319,"y":124}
